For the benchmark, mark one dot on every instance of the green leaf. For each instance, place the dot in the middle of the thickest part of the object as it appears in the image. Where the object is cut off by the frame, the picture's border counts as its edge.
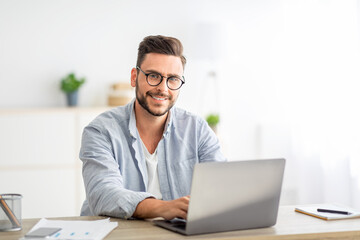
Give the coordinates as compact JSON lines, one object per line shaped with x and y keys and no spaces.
{"x":70,"y":83}
{"x":213,"y":119}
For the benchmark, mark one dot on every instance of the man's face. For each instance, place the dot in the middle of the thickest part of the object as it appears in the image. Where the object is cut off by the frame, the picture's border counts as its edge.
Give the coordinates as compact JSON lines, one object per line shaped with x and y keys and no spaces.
{"x":156,"y":100}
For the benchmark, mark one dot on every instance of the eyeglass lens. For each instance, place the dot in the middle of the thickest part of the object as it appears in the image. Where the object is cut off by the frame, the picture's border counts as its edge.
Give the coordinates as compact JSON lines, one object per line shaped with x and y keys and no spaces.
{"x":172,"y":82}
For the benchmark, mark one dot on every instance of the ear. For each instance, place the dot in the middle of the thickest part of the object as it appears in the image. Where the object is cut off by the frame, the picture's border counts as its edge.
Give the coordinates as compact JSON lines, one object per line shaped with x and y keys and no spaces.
{"x":133,"y":77}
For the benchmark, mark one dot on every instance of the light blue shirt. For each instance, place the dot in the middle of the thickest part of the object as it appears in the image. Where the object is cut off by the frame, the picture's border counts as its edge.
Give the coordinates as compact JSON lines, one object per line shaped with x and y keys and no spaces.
{"x":114,"y":166}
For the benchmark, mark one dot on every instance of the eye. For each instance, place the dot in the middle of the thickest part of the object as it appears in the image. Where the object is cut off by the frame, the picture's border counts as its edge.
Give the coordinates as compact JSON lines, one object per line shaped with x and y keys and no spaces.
{"x":154,"y":76}
{"x":173,"y":79}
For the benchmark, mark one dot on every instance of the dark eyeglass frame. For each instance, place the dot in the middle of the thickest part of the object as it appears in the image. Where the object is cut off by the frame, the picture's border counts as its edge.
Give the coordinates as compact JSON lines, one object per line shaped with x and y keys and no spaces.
{"x":162,"y":78}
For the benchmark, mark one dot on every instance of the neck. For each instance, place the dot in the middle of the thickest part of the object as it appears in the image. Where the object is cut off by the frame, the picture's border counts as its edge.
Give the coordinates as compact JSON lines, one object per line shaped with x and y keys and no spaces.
{"x":150,"y":127}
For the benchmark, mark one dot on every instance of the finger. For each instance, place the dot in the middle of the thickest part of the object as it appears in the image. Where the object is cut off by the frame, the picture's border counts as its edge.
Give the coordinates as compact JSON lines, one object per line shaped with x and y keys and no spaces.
{"x":184,"y":205}
{"x":182,"y":214}
{"x":180,"y":204}
{"x":175,"y":213}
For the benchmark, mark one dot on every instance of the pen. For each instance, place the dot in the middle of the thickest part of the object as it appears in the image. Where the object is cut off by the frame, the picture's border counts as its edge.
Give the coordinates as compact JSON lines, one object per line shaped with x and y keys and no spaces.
{"x":9,"y":213}
{"x":333,"y":211}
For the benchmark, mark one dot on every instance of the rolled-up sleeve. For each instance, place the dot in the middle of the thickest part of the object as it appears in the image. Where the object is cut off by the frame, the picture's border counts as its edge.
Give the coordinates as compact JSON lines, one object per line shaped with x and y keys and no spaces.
{"x":104,"y":184}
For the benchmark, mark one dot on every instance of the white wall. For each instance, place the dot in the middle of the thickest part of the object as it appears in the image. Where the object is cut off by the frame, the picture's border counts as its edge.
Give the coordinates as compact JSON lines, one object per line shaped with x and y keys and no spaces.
{"x":287,"y":71}
{"x":41,"y":41}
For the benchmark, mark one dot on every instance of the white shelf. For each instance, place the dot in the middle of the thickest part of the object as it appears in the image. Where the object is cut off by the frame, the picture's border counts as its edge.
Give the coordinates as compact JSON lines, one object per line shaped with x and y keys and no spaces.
{"x":39,"y":158}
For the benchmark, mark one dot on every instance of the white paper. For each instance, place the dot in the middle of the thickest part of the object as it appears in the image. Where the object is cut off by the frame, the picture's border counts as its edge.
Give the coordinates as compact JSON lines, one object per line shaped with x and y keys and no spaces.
{"x":312,"y":210}
{"x":84,"y":230}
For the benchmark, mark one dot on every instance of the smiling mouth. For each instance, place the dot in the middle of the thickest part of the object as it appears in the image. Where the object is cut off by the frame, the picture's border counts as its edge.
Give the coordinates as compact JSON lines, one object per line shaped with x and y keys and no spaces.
{"x":158,"y":98}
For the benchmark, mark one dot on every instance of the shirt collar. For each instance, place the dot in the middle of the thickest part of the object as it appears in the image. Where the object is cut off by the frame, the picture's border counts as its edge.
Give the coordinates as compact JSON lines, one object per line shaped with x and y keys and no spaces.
{"x":132,"y":121}
{"x":168,"y":123}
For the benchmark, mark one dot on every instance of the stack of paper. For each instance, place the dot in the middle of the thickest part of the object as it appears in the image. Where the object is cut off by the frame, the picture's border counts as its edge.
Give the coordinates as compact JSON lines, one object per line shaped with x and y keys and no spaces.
{"x":91,"y":230}
{"x":312,"y":210}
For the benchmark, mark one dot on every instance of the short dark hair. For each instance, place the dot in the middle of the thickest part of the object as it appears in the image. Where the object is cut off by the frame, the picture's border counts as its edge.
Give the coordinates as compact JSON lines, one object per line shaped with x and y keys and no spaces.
{"x":160,"y":44}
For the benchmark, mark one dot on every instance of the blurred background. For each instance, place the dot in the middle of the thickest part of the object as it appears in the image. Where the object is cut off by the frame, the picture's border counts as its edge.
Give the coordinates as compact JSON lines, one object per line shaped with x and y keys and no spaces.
{"x":282,"y":75}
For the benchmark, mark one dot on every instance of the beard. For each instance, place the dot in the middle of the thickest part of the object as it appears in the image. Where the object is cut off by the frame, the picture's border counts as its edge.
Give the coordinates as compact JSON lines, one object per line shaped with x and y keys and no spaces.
{"x":142,"y":100}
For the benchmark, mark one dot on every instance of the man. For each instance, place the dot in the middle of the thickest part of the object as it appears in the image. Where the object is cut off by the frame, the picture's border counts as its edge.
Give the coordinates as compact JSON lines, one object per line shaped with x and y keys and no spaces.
{"x":138,"y":159}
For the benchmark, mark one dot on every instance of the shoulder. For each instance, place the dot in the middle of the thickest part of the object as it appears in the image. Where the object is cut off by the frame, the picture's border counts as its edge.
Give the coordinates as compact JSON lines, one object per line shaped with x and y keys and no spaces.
{"x":181,"y":115}
{"x":117,"y":114}
{"x":117,"y":117}
{"x":183,"y":119}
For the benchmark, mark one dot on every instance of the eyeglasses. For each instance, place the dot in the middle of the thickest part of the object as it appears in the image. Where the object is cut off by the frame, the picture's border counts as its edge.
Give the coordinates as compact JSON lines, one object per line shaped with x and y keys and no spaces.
{"x":154,"y":79}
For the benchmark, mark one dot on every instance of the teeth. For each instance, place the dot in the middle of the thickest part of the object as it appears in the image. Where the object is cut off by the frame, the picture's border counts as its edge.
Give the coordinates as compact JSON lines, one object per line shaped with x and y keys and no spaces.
{"x":158,"y":98}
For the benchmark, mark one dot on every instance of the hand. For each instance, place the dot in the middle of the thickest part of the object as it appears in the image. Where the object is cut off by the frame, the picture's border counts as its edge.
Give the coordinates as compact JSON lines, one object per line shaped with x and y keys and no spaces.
{"x":151,"y":208}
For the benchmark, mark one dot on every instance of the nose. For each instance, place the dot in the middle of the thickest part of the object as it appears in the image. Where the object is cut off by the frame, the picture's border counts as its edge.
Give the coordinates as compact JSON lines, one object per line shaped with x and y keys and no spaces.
{"x":162,"y":87}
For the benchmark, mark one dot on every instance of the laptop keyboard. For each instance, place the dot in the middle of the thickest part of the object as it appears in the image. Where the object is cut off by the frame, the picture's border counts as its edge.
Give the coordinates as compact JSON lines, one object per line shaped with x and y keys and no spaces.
{"x":178,"y":223}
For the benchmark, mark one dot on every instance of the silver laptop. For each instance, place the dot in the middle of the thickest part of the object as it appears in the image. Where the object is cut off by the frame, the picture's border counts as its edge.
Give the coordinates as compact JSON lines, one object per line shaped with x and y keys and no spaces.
{"x":228,"y":196}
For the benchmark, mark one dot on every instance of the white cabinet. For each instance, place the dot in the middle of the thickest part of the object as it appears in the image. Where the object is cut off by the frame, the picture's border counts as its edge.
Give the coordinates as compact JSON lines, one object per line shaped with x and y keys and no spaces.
{"x":39,"y":159}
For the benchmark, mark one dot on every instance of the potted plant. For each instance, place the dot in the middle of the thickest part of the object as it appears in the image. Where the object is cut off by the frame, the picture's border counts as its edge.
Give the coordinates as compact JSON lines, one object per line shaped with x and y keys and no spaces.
{"x":213,"y":120}
{"x":70,"y":85}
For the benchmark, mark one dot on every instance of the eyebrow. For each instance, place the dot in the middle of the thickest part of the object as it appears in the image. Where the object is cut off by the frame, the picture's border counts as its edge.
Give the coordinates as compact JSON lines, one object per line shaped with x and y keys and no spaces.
{"x":169,"y":75}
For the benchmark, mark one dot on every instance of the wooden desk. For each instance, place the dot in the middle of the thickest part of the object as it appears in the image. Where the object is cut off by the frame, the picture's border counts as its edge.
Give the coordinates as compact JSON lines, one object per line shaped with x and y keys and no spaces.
{"x":290,"y":226}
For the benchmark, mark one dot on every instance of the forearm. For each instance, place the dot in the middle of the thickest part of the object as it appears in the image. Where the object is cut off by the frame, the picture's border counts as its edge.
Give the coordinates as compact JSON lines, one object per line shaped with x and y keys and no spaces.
{"x":147,"y":208}
{"x":151,"y":208}
{"x":110,"y":199}
{"x":106,"y":193}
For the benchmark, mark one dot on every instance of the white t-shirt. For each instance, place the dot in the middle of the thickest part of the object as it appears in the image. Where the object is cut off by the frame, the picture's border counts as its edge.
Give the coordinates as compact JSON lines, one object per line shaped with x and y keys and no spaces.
{"x":153,"y":179}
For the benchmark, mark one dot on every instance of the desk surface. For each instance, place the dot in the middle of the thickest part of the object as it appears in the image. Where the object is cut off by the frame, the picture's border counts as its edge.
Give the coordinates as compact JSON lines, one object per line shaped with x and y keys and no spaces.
{"x":290,"y":226}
